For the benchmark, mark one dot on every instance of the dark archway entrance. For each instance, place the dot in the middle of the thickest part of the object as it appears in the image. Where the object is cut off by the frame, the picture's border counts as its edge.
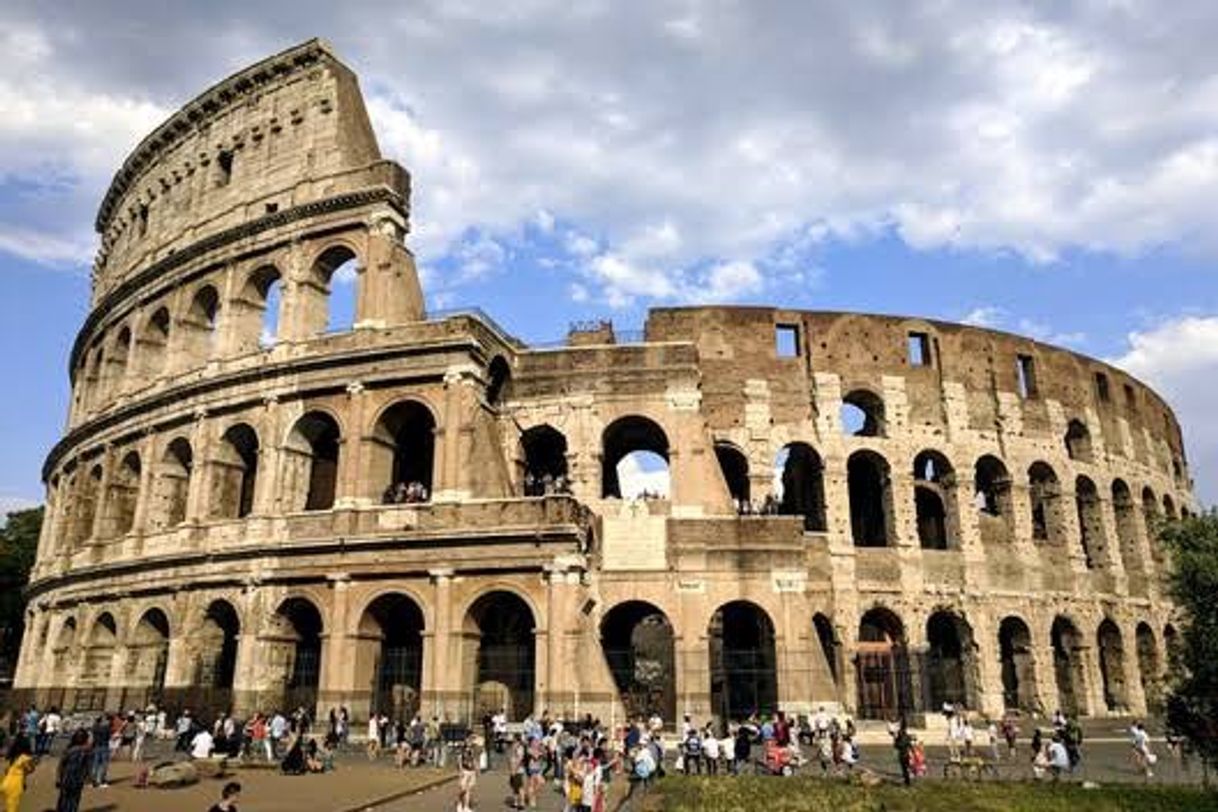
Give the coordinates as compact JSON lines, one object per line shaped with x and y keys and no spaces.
{"x":801,"y":488}
{"x":637,"y":639}
{"x":735,"y":469}
{"x":882,"y":667}
{"x":1112,"y":666}
{"x":949,"y":661}
{"x":397,"y":666}
{"x":301,"y":623}
{"x":644,"y":443}
{"x":743,"y":662}
{"x":1067,"y":646}
{"x":545,"y":461}
{"x":500,"y":625}
{"x":1018,"y":665}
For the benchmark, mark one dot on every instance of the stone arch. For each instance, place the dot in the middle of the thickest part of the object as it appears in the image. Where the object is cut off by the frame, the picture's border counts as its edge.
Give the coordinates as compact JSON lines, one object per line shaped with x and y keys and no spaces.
{"x":1169,"y":508}
{"x":869,"y":484}
{"x":950,"y":666}
{"x":992,"y":498}
{"x":1068,"y":666}
{"x":98,"y":661}
{"x":1018,"y":665}
{"x":199,"y":324}
{"x":118,"y":360}
{"x":800,"y":484}
{"x":499,"y":381}
{"x":1091,"y":523}
{"x":1044,"y":494}
{"x":329,"y":300}
{"x":215,"y":643}
{"x":389,"y":655}
{"x":862,"y":414}
{"x":885,"y":688}
{"x":635,"y":448}
{"x":1153,"y":520}
{"x":296,"y":643}
{"x":734,"y":466}
{"x":1172,"y":645}
{"x":544,"y":450}
{"x":829,"y":649}
{"x":87,"y":494}
{"x":935,"y":503}
{"x":154,"y":342}
{"x":64,"y":653}
{"x":95,"y":379}
{"x":1111,"y":648}
{"x":1150,"y":669}
{"x":403,"y":452}
{"x":123,"y":495}
{"x":148,"y":656}
{"x":743,"y":661}
{"x":261,"y":309}
{"x":1078,"y":441}
{"x":173,"y":484}
{"x":500,"y":654}
{"x":235,"y":473}
{"x":639,"y":646}
{"x":310,"y":462}
{"x":1125,"y":513}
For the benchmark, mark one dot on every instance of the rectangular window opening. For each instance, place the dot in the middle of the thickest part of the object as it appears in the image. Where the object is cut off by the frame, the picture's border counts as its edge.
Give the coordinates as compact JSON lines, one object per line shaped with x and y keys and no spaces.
{"x":143,"y":216}
{"x":225,"y":164}
{"x":1101,"y":387}
{"x":919,"y":350}
{"x":271,"y":208}
{"x":1131,"y":399}
{"x":786,"y":340}
{"x":1026,"y":369}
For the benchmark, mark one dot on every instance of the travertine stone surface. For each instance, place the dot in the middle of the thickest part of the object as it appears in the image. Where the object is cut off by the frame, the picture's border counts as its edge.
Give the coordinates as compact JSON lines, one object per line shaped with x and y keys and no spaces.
{"x":217,"y":531}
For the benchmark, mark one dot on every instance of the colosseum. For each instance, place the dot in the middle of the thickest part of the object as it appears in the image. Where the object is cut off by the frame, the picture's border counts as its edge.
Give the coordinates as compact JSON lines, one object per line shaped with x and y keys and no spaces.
{"x":737,"y":510}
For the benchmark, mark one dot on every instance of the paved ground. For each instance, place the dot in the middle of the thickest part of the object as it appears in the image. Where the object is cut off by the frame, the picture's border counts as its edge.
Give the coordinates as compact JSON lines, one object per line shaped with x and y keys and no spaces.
{"x":358,"y":783}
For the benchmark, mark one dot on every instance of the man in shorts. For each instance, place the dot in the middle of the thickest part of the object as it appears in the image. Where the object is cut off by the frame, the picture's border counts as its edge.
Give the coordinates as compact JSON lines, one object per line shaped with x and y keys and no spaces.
{"x":467,"y":766}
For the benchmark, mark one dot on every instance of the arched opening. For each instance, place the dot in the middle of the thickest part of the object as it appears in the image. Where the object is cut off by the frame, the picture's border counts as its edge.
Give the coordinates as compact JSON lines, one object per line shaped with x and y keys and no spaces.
{"x":64,"y":654}
{"x":735,"y":469}
{"x":1112,"y":666}
{"x":98,"y":665}
{"x":257,"y":310}
{"x":235,"y":473}
{"x":882,"y":667}
{"x":1044,"y":492}
{"x":1169,"y":508}
{"x":1018,"y":665}
{"x":827,"y":663}
{"x":545,"y":461}
{"x":992,"y":499}
{"x":1078,"y":441}
{"x":330,"y":304}
{"x":950,"y":662}
{"x":216,"y":640}
{"x":862,"y":414}
{"x":120,"y":356}
{"x":391,"y":654}
{"x":88,"y":492}
{"x":935,"y":502}
{"x":298,"y":635}
{"x":1127,"y":534}
{"x":124,"y":494}
{"x":743,"y":663}
{"x":1068,"y":666}
{"x":199,"y":326}
{"x":1090,"y":523}
{"x":870,"y":488}
{"x":799,"y":484}
{"x":173,"y":484}
{"x":499,"y":628}
{"x":1149,"y":669}
{"x":404,"y":444}
{"x":148,"y":655}
{"x":1172,"y":644}
{"x":634,"y":460}
{"x":499,"y":381}
{"x":95,"y":381}
{"x":639,"y":647}
{"x":1154,"y":521}
{"x":154,"y":343}
{"x":310,"y":463}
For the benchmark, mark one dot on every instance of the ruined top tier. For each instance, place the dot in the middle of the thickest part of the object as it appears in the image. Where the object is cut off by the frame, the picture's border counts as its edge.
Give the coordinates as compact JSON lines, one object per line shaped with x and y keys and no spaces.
{"x":282,"y":133}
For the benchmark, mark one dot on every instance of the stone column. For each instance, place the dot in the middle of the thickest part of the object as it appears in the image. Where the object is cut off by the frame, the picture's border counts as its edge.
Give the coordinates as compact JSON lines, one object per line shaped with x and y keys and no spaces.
{"x":101,"y":509}
{"x":351,"y":490}
{"x":336,"y":683}
{"x":451,"y":437}
{"x":270,"y":436}
{"x":200,"y":474}
{"x":390,"y":294}
{"x":442,"y":683}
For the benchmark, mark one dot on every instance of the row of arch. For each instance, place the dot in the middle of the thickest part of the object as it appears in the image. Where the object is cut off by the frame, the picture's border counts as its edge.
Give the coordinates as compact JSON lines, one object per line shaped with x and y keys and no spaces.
{"x":207,"y":325}
{"x":638,"y":642}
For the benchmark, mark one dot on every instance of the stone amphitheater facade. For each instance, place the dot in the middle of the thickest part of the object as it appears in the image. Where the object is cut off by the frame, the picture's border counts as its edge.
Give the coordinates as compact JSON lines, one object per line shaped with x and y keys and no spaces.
{"x":867,"y":512}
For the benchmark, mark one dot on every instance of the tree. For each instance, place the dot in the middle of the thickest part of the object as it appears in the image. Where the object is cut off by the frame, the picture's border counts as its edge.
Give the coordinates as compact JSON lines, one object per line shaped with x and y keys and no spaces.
{"x":18,"y":545}
{"x":1192,"y":702}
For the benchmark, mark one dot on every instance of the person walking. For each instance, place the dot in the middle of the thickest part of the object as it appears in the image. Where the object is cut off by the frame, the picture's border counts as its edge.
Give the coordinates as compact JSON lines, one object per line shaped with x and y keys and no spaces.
{"x":73,"y":771}
{"x":20,"y":764}
{"x":903,"y":745}
{"x":101,"y":752}
{"x":467,"y":771}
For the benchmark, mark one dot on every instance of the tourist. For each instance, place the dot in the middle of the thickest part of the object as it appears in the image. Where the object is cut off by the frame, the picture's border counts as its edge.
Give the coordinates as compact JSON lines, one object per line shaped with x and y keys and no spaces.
{"x":742,"y":749}
{"x":1142,"y":754}
{"x":991,"y":733}
{"x":903,"y":745}
{"x":467,"y":771}
{"x":141,"y":734}
{"x":1072,"y":738}
{"x":202,"y":744}
{"x":294,"y":762}
{"x":183,"y":728}
{"x":278,"y":729}
{"x":516,"y":772}
{"x":374,"y":737}
{"x":30,"y":721}
{"x":51,"y":725}
{"x":228,"y":798}
{"x":710,"y":751}
{"x":1010,"y":732}
{"x":824,"y":752}
{"x":73,"y":771}
{"x":1038,"y":745}
{"x":101,"y":751}
{"x":594,"y":785}
{"x":691,"y":751}
{"x":20,"y":764}
{"x":917,"y":758}
{"x":1059,"y":757}
{"x":127,"y":735}
{"x":534,"y":759}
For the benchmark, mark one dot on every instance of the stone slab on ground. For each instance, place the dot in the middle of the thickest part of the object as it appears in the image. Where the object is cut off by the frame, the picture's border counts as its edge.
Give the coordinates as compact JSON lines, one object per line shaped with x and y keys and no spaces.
{"x":354,"y":785}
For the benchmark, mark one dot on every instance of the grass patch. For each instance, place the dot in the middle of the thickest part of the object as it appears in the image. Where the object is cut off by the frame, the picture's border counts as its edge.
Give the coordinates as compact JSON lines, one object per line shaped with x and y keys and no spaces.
{"x":743,"y":793}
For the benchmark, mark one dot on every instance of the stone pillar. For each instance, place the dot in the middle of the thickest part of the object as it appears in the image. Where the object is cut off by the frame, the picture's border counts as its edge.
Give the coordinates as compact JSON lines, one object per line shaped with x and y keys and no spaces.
{"x":269,"y":458}
{"x":101,"y":507}
{"x":988,"y":657}
{"x":390,"y":293}
{"x":442,"y":683}
{"x":350,"y":490}
{"x":1135,"y":695}
{"x":452,"y":439}
{"x":336,"y":683}
{"x":200,"y":474}
{"x":143,"y":499}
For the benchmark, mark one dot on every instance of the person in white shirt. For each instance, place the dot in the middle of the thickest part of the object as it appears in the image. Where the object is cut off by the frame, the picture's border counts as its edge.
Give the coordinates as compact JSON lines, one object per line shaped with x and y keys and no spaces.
{"x":279,"y":727}
{"x":374,"y":737}
{"x":821,"y":722}
{"x":1141,"y":748}
{"x":1059,"y":758}
{"x":710,"y":752}
{"x":202,"y":744}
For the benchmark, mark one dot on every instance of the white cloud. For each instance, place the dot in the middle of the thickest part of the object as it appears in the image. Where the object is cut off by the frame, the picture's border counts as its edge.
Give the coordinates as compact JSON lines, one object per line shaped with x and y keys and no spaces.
{"x":985,"y":316}
{"x":998,"y":318}
{"x":642,"y":471}
{"x":10,"y":503}
{"x":1179,"y":358}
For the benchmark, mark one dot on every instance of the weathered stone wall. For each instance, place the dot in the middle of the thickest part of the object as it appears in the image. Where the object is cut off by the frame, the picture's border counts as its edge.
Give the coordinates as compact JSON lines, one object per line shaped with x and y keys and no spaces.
{"x":229,"y":519}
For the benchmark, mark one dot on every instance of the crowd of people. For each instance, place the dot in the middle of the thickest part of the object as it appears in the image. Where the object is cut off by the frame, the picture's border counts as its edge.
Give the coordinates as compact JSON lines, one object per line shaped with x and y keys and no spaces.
{"x":546,"y":484}
{"x":406,"y":493}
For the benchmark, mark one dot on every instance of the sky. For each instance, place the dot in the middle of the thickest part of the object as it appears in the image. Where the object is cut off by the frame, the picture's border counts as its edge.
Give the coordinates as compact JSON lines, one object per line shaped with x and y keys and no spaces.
{"x":1047,"y":168}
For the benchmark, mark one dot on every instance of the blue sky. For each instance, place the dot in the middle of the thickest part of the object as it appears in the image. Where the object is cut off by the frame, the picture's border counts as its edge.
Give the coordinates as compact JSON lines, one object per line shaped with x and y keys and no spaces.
{"x":1048,"y":169}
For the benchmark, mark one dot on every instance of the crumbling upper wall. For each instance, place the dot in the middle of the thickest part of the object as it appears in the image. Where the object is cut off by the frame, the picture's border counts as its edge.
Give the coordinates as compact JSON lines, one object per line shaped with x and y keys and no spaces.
{"x":271,"y":137}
